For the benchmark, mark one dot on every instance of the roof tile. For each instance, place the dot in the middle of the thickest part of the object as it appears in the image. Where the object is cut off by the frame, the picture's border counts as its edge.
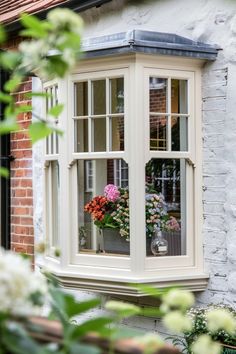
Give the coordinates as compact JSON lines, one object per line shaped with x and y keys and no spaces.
{"x":11,"y":9}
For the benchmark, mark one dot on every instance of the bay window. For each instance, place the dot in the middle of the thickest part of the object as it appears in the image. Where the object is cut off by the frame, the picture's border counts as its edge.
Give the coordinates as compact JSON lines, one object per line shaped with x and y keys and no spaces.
{"x":130,"y":169}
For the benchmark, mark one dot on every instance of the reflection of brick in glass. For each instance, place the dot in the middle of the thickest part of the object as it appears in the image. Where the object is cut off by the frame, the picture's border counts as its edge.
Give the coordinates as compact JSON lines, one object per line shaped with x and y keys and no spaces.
{"x":158,"y":132}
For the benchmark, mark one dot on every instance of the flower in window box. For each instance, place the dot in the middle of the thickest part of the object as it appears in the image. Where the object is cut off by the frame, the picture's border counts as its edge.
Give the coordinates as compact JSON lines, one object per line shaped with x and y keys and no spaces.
{"x":112,"y":211}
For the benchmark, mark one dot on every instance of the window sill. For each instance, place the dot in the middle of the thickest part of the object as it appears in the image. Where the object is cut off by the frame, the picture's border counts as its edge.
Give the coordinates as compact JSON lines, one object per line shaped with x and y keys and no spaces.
{"x":196,"y":282}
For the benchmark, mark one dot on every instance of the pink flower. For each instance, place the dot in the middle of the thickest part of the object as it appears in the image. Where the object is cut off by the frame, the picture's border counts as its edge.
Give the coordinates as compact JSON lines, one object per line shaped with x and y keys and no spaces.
{"x":111,"y":192}
{"x":172,"y":224}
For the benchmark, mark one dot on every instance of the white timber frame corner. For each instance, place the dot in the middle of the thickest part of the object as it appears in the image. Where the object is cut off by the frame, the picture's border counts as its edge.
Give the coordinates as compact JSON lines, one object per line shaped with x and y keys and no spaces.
{"x":113,"y":274}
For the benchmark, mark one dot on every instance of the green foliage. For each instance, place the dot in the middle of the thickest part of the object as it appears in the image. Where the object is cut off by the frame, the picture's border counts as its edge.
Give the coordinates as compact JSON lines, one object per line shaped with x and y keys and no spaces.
{"x":55,"y":111}
{"x":59,"y":34}
{"x":12,"y":84}
{"x":39,"y":130}
{"x":4,"y":172}
{"x":9,"y":59}
{"x":34,"y":27}
{"x":200,"y":326}
{"x":8,"y":125}
{"x":3,"y":35}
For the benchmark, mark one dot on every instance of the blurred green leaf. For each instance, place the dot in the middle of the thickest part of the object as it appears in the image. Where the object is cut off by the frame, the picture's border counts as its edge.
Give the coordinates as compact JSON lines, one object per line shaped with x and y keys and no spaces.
{"x":69,"y":40}
{"x":57,"y":66}
{"x":4,"y":172}
{"x":6,"y":98}
{"x":3,"y":35}
{"x":8,"y":125}
{"x":151,"y":312}
{"x":151,"y":291}
{"x":24,"y":108}
{"x":73,"y":307}
{"x":39,"y":130}
{"x":35,"y":27}
{"x":76,"y":348}
{"x":97,"y":324}
{"x":13,"y":83}
{"x":56,"y":110}
{"x":38,"y":94}
{"x":9,"y":59}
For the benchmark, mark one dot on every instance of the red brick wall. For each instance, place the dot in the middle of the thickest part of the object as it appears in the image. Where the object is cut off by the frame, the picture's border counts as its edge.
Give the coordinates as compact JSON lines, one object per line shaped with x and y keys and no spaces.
{"x":22,"y":231}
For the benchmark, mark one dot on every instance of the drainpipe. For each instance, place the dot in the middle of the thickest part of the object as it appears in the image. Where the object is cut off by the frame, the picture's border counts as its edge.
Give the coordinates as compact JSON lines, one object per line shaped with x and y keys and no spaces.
{"x":5,"y":183}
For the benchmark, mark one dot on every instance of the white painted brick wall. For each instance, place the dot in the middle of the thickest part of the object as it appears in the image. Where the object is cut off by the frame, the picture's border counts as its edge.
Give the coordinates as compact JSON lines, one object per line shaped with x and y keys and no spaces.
{"x":211,"y":21}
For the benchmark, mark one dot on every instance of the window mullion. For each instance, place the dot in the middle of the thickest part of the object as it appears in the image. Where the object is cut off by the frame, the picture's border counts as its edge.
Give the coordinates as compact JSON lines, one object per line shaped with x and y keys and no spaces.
{"x":90,"y":131}
{"x":108,"y":133}
{"x":169,"y":114}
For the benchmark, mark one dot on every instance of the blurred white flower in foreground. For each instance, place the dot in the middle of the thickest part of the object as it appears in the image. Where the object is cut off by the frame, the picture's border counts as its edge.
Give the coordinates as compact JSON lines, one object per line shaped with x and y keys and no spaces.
{"x":22,"y":291}
{"x":205,"y":345}
{"x":177,"y":299}
{"x":177,"y":322}
{"x":221,"y":319}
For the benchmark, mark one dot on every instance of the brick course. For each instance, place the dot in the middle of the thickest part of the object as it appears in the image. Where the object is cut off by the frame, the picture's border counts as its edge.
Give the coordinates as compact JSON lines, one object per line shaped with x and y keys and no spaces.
{"x":22,"y":231}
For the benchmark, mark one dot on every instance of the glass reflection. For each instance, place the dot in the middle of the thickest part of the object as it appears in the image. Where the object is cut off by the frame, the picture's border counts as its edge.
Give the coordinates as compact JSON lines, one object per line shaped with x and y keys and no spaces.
{"x":99,"y":134}
{"x":117,"y":133}
{"x":179,"y":133}
{"x":157,"y":95}
{"x":165,"y":204}
{"x":99,"y":97}
{"x":179,"y":96}
{"x":81,"y":99}
{"x":158,"y":133}
{"x":117,"y":95}
{"x":81,"y":135}
{"x":103,"y":206}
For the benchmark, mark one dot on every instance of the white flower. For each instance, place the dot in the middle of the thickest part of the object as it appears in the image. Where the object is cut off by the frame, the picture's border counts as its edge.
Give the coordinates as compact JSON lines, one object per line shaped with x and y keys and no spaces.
{"x":221,"y":319}
{"x":177,"y":298}
{"x":32,"y":53}
{"x":151,"y":342}
{"x":205,"y":345}
{"x":19,"y":285}
{"x":177,"y":322}
{"x":65,"y":19}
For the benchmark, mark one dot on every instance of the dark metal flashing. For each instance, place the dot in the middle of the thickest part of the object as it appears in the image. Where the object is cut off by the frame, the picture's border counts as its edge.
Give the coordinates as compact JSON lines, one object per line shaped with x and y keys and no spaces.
{"x":138,"y":41}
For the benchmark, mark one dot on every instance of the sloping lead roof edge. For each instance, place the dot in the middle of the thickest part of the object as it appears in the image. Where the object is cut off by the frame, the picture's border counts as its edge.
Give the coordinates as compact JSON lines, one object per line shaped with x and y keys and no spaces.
{"x":147,"y":42}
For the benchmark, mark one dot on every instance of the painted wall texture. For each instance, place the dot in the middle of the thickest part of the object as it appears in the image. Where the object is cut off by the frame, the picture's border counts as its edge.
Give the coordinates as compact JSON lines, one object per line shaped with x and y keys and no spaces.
{"x":213,"y":22}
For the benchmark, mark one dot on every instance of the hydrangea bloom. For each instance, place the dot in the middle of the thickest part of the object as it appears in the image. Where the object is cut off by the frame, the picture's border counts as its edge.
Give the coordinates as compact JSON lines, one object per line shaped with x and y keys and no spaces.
{"x":205,"y":345}
{"x":177,"y":298}
{"x":111,"y":192}
{"x":221,"y":319}
{"x":177,"y":322}
{"x":21,"y":289}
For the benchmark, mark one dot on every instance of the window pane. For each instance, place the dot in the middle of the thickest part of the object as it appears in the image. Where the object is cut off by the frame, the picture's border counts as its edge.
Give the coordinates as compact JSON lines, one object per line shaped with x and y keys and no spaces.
{"x":81,"y":99}
{"x":179,"y":96}
{"x":99,"y":97}
{"x":158,"y":95}
{"x":117,"y":95}
{"x":117,"y":133}
{"x":158,"y":132}
{"x":103,"y":214}
{"x":99,"y":134}
{"x":179,"y":133}
{"x":81,"y":135}
{"x":55,"y":202}
{"x":166,"y":207}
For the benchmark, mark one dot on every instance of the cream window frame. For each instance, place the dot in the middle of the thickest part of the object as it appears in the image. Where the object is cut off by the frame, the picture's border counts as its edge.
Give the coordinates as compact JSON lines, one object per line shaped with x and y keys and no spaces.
{"x":49,"y":189}
{"x":113,"y":273}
